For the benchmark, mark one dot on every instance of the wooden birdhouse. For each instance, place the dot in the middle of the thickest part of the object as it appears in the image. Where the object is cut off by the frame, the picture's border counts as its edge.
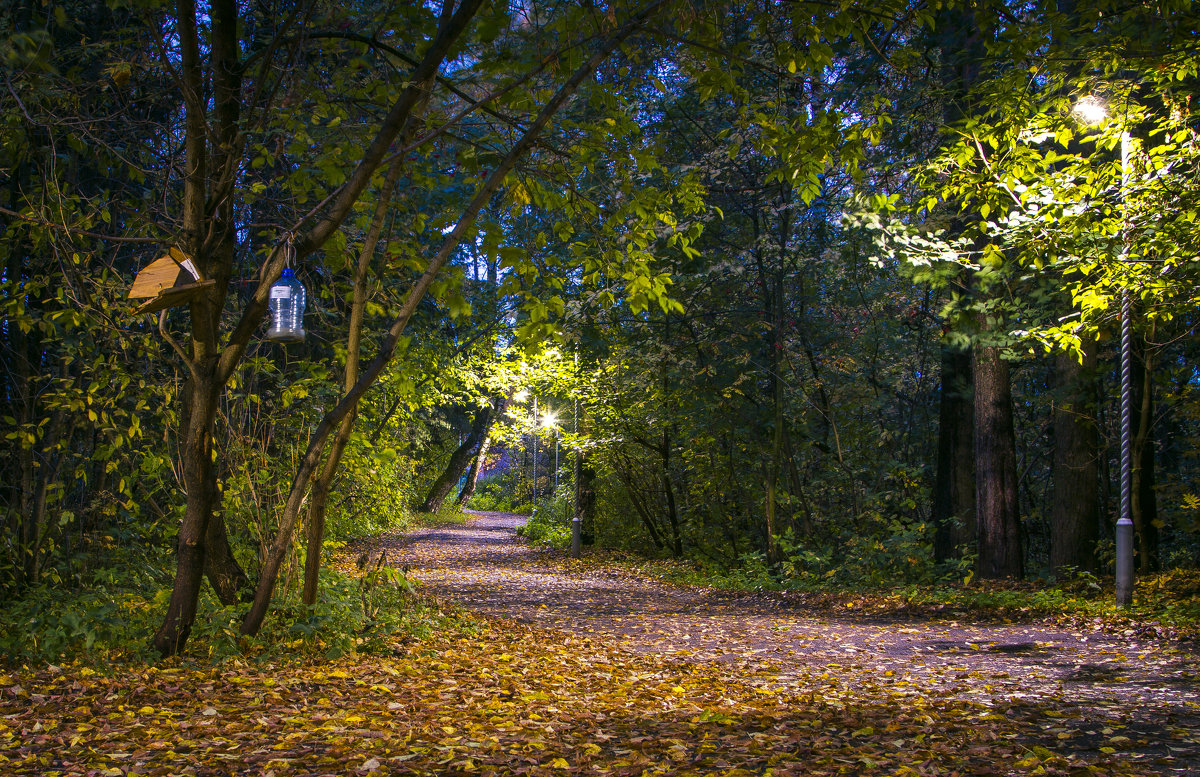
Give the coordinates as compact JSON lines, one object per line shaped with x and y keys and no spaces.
{"x":170,"y":280}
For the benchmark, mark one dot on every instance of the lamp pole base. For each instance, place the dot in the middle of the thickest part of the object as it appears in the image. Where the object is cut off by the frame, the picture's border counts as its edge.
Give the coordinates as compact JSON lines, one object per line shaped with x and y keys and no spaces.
{"x":1124,"y":563}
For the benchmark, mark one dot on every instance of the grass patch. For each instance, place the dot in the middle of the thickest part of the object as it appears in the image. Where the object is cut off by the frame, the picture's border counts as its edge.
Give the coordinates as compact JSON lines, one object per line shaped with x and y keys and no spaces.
{"x":1166,"y":604}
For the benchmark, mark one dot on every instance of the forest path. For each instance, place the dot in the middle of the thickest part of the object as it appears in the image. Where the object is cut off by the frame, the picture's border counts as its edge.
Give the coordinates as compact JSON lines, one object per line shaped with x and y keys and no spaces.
{"x":1085,"y":690}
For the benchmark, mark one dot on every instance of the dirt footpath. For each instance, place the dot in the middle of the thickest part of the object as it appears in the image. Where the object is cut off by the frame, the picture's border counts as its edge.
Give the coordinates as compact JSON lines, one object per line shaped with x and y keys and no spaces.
{"x":1087,"y":690}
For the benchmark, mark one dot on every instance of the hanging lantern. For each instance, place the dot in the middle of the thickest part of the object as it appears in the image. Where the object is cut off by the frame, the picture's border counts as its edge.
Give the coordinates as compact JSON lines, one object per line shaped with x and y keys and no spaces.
{"x":287,"y":309}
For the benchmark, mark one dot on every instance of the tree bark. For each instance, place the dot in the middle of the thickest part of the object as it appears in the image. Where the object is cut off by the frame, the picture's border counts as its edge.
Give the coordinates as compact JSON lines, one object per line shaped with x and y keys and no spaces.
{"x":669,"y":492}
{"x":953,"y":511}
{"x":230,"y":582}
{"x":956,"y":521}
{"x":1144,"y":504}
{"x":1075,"y":514}
{"x":998,"y":521}
{"x":468,"y":489}
{"x":459,"y":460}
{"x":198,"y":474}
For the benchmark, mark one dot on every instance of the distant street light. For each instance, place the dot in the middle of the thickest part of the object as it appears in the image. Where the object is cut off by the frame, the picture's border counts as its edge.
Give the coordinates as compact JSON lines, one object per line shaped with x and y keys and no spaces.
{"x":1091,"y":110}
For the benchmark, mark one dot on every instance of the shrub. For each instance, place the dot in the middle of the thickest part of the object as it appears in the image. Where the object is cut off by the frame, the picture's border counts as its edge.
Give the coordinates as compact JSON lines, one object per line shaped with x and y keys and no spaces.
{"x":550,"y":524}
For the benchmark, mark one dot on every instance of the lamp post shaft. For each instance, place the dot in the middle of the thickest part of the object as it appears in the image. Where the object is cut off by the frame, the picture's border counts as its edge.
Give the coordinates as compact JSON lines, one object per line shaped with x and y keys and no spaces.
{"x":576,"y":518}
{"x":1124,"y":538}
{"x":535,"y":455}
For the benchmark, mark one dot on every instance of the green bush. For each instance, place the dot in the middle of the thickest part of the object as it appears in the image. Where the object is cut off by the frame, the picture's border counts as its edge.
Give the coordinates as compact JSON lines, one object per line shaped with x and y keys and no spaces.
{"x":360,"y":614}
{"x":501,"y":492}
{"x":491,"y":496}
{"x":375,"y":488}
{"x":550,"y":524}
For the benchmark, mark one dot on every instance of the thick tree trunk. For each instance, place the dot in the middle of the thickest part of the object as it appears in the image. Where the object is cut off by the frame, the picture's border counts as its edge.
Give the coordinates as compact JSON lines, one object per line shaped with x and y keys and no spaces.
{"x":585,"y":499}
{"x":198,"y":479}
{"x":1144,"y":505}
{"x":468,"y":489}
{"x":953,"y":511}
{"x":196,"y":453}
{"x":458,"y":461}
{"x":995,"y":468}
{"x":1075,"y":514}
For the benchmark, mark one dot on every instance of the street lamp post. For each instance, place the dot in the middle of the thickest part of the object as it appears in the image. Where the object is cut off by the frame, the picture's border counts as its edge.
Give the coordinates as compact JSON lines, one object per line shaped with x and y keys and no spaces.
{"x":576,"y":518}
{"x":534,"y":457}
{"x":1090,"y":110}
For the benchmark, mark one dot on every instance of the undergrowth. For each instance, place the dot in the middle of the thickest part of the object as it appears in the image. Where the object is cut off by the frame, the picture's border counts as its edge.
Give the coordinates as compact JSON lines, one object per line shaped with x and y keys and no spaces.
{"x":550,"y":523}
{"x":365,"y":606}
{"x":1171,"y":599}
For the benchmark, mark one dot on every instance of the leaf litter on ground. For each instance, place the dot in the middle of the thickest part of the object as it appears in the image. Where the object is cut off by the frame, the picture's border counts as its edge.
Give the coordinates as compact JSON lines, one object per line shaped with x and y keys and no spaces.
{"x":650,"y":680}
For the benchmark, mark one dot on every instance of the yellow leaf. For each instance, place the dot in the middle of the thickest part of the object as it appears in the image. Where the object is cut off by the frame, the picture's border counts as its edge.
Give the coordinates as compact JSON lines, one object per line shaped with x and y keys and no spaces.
{"x":560,"y":763}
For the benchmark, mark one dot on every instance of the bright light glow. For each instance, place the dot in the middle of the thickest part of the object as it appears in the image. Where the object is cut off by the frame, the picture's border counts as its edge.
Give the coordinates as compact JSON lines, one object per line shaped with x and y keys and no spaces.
{"x":550,"y":420}
{"x":521,"y":396}
{"x":1090,"y":110}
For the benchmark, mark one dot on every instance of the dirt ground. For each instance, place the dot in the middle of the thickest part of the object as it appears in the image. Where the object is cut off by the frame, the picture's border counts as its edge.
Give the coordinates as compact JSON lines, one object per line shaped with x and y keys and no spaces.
{"x":1088,"y":689}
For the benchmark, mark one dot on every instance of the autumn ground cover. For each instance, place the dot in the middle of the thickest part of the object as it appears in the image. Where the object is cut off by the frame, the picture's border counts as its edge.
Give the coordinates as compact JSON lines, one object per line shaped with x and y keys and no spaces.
{"x":575,"y":667}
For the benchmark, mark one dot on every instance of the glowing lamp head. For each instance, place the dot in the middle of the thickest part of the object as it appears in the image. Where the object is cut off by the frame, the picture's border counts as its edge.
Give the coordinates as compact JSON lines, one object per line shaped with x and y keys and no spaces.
{"x":1090,"y":110}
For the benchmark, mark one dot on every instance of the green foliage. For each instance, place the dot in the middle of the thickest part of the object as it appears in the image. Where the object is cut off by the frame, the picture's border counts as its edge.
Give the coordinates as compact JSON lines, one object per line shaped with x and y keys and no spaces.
{"x":551,"y":523}
{"x":881,"y":551}
{"x":374,"y":494}
{"x":492,"y":495}
{"x":502,"y":491}
{"x":108,"y":621}
{"x":363,"y":611}
{"x":94,"y":624}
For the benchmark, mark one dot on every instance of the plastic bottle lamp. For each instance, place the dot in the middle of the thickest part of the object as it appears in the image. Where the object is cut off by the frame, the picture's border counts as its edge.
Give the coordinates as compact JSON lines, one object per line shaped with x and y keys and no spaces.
{"x":287,"y":309}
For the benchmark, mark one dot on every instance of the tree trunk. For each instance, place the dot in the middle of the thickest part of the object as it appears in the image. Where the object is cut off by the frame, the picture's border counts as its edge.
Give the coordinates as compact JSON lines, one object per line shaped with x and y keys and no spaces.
{"x":669,"y":492}
{"x":468,"y":489}
{"x":198,"y":475}
{"x":1144,"y":505}
{"x":458,"y":461}
{"x":995,"y":468}
{"x":585,"y":499}
{"x":323,"y":483}
{"x":1075,"y":514}
{"x":230,"y":582}
{"x":953,"y":511}
{"x":199,"y":227}
{"x":775,"y":465}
